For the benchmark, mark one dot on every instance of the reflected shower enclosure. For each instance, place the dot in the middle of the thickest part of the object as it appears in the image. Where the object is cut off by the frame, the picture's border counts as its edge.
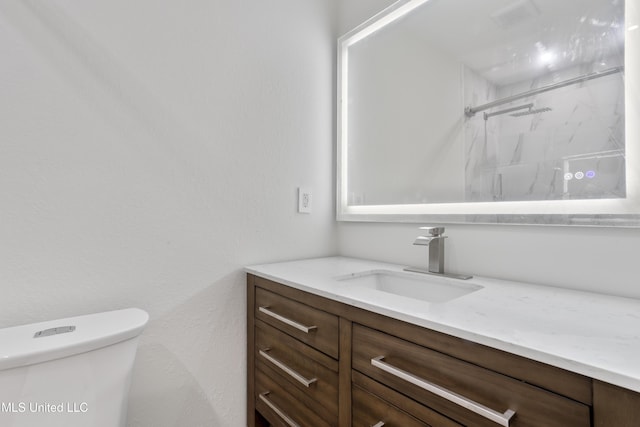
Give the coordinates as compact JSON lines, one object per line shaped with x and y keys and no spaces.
{"x":557,"y":133}
{"x":509,"y":101}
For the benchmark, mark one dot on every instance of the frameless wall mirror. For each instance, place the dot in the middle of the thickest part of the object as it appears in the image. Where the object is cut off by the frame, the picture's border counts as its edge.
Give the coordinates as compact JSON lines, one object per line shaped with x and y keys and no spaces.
{"x":493,"y":111}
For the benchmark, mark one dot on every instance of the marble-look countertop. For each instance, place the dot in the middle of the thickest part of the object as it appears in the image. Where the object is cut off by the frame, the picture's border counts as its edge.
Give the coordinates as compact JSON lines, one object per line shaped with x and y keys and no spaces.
{"x":591,"y":334}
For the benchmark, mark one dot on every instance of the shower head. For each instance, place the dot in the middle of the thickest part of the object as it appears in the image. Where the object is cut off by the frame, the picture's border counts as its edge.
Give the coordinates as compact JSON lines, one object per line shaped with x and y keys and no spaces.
{"x":531,"y":111}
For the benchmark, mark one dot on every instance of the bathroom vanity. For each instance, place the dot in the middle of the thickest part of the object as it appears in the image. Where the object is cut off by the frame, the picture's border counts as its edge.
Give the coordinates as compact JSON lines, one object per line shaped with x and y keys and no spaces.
{"x":345,"y":342}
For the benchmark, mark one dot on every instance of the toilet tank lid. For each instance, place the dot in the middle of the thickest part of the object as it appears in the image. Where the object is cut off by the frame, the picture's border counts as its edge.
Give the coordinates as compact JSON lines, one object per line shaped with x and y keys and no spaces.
{"x":19,"y":345}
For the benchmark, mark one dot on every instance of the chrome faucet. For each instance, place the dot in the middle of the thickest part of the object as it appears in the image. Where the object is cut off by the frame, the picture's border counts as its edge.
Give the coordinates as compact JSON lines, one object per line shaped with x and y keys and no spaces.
{"x":435,"y":241}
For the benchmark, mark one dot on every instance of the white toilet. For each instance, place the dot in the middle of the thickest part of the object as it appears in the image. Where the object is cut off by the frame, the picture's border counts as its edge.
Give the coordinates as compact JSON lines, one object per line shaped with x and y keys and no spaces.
{"x":71,"y":372}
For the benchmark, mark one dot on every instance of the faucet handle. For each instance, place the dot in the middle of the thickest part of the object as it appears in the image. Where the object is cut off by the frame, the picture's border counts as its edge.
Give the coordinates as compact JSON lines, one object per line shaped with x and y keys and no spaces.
{"x":434,"y":231}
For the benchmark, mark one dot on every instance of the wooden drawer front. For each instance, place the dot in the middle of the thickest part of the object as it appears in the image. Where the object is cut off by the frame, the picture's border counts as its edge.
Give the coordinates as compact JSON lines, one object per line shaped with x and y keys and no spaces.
{"x":614,"y":406}
{"x":282,"y":409}
{"x":534,"y":407}
{"x":298,"y":365}
{"x":374,"y":403}
{"x":283,"y":313}
{"x":368,"y":410}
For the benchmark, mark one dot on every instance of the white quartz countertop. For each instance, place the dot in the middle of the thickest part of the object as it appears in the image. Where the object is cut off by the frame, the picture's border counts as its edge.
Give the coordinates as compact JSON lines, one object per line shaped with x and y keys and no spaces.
{"x":591,"y":334}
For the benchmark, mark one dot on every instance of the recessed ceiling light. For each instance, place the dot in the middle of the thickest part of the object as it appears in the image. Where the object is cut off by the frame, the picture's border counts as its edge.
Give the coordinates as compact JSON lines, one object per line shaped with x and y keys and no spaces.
{"x":547,"y":57}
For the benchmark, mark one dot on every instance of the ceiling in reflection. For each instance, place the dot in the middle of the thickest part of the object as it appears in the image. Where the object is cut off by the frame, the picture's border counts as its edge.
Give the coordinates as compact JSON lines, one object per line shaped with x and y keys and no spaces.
{"x":509,"y":41}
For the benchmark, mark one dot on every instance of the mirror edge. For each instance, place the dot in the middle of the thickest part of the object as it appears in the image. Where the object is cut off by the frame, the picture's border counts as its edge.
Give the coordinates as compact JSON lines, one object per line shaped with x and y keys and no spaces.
{"x":345,"y":213}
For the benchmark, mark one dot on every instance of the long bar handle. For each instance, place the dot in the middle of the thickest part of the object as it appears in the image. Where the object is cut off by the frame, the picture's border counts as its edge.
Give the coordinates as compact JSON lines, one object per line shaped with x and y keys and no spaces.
{"x":278,"y":411}
{"x":302,"y":380}
{"x":497,"y":417}
{"x":293,"y":323}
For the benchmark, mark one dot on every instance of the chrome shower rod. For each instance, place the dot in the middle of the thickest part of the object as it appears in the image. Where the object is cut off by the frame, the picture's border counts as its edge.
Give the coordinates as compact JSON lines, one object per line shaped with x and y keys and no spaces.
{"x":471,"y":111}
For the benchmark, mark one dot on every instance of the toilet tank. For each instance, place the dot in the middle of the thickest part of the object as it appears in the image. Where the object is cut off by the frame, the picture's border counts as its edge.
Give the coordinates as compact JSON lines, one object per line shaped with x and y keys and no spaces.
{"x":72,"y":372}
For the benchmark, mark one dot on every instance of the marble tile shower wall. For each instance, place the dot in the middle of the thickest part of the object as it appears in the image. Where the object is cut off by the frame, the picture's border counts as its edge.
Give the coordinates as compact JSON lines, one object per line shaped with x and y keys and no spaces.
{"x":481,"y":157}
{"x":575,"y":150}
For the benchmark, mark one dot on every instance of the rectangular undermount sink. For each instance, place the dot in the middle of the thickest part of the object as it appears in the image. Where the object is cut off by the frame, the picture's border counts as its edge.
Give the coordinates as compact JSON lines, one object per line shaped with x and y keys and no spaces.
{"x":411,"y":285}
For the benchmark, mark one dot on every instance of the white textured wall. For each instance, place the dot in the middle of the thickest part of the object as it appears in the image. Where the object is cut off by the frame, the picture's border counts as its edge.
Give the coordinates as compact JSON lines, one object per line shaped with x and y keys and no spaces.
{"x":148,"y":150}
{"x":596,"y":259}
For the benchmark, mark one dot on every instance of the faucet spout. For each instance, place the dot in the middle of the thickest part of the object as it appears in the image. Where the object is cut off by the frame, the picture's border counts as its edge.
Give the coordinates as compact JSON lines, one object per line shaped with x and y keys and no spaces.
{"x":423,"y":240}
{"x":435,"y":241}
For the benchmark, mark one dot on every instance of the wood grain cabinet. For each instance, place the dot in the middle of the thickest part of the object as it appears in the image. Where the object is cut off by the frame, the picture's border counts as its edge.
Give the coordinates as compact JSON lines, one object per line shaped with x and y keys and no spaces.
{"x":317,"y":362}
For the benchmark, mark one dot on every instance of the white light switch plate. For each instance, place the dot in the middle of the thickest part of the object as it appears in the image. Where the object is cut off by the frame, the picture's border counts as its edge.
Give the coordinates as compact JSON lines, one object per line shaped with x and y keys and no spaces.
{"x":304,"y":200}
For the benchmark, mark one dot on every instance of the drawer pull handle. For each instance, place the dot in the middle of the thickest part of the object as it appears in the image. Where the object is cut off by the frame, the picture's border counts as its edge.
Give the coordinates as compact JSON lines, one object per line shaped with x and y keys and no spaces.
{"x":496,"y":417}
{"x":302,"y":380}
{"x":278,"y":411}
{"x":378,"y":424}
{"x":298,"y":326}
